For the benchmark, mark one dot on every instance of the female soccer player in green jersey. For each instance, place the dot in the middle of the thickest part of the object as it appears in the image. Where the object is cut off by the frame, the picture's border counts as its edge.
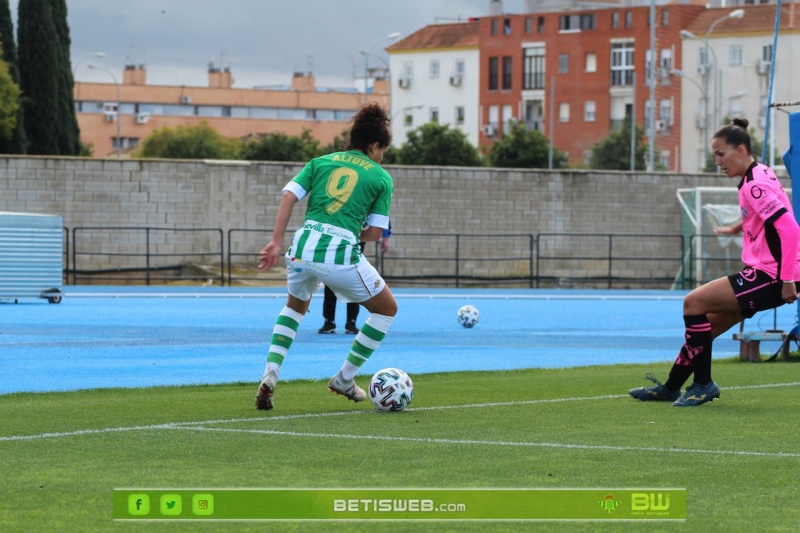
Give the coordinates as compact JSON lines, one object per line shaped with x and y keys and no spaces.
{"x":348,"y":202}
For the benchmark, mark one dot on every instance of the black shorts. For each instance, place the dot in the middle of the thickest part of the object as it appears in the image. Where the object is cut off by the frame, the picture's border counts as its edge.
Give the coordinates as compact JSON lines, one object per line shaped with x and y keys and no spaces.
{"x":756,"y":291}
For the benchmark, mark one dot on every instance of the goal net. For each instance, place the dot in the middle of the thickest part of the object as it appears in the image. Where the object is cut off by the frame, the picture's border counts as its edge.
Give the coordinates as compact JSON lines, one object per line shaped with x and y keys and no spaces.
{"x":707,"y":256}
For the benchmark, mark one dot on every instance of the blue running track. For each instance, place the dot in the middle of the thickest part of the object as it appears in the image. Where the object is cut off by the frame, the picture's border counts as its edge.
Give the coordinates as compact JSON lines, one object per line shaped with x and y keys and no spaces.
{"x":141,"y":337}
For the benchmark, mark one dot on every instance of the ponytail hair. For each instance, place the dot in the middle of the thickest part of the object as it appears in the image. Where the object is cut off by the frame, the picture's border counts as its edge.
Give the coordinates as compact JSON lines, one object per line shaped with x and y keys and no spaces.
{"x":736,"y":134}
{"x":370,"y":125}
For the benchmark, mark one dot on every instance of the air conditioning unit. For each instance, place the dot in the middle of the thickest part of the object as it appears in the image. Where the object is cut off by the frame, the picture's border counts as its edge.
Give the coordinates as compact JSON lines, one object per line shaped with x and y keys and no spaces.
{"x":489,"y":130}
{"x":142,"y":118}
{"x":702,"y":69}
{"x":661,"y":125}
{"x":663,"y":73}
{"x":186,"y":99}
{"x":110,"y":116}
{"x":762,"y":67}
{"x":455,"y":81}
{"x":404,"y":83}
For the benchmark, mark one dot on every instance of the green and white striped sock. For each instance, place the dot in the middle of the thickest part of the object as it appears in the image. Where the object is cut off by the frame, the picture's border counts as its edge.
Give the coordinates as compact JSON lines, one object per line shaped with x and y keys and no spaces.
{"x":367,"y":341}
{"x":283,"y":335}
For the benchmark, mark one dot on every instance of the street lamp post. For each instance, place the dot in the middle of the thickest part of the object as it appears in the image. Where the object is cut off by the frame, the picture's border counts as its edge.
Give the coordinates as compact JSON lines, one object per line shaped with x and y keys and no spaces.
{"x":704,"y":140}
{"x":366,"y":53}
{"x":98,"y":55}
{"x":415,"y":106}
{"x":118,"y":117}
{"x":712,"y":118}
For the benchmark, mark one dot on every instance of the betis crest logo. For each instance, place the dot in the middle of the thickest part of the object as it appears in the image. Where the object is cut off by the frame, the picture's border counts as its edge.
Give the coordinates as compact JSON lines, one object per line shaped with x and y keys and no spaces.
{"x":609,"y":503}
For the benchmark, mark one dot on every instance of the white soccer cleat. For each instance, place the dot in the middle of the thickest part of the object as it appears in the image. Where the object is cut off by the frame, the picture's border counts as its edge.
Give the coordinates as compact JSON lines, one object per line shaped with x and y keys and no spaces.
{"x":266,"y":391}
{"x":346,"y":388}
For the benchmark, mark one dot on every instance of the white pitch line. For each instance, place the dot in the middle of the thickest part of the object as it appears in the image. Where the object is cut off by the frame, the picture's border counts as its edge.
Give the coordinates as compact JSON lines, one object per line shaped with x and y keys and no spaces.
{"x":192,"y":425}
{"x":427,"y":296}
{"x":489,"y":442}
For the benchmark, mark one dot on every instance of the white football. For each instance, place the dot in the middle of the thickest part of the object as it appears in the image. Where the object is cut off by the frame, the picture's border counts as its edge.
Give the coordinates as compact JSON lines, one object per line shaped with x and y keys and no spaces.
{"x":468,"y":316}
{"x":391,"y":389}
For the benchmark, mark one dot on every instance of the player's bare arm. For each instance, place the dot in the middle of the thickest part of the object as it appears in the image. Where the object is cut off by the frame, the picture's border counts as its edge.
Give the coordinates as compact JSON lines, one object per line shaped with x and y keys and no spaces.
{"x":268,"y":257}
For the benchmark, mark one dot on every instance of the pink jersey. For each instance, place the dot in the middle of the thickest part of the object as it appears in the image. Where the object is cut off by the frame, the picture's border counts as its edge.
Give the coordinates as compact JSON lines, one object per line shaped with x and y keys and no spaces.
{"x":763,"y":201}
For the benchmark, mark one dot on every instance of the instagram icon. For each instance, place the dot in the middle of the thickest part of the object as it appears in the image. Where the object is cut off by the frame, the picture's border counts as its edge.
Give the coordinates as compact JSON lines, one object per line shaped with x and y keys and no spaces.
{"x":203,"y":504}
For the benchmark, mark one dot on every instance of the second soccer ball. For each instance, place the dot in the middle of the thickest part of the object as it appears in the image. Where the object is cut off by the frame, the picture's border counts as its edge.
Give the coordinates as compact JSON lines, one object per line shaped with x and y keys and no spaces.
{"x":468,"y":316}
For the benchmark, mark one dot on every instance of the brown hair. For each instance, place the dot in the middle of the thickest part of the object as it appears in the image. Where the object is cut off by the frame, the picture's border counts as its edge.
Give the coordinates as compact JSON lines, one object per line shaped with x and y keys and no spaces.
{"x":736,"y":134}
{"x":370,"y":125}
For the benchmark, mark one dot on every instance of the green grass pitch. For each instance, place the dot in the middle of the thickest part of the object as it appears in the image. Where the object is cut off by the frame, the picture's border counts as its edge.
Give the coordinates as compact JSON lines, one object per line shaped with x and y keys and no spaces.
{"x":61,"y":454}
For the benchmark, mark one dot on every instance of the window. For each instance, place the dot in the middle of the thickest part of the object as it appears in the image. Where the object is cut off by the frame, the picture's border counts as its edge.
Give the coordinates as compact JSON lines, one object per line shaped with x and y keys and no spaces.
{"x":533,"y":76}
{"x":663,"y":158}
{"x":735,"y":55}
{"x":614,"y":20}
{"x":408,"y":117}
{"x":507,"y":26}
{"x":494,"y":66}
{"x":507,"y":62}
{"x":563,"y":112}
{"x":528,"y":25}
{"x":576,"y":22}
{"x":459,"y":114}
{"x":648,"y":66}
{"x":622,"y":64}
{"x":434,"y":114}
{"x":494,"y":115}
{"x":494,"y":26}
{"x":434,"y":69}
{"x":563,"y":63}
{"x":735,"y":110}
{"x":766,"y":53}
{"x":591,"y":62}
{"x":628,"y":19}
{"x":540,"y":25}
{"x":589,"y":111}
{"x":665,"y":111}
{"x":508,"y":117}
{"x":666,"y":63}
{"x":665,"y":18}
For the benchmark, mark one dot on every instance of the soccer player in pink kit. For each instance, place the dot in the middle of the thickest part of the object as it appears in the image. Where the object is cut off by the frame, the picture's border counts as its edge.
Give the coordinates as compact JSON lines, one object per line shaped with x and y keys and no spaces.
{"x":769,"y":279}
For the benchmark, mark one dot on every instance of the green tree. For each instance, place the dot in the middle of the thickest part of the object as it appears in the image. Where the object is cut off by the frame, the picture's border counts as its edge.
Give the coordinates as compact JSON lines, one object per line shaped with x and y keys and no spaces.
{"x":17,"y":142}
{"x":525,"y":148}
{"x":437,"y":144}
{"x":46,"y":78}
{"x":614,"y":152}
{"x":9,"y":104}
{"x":282,"y":147}
{"x":70,"y":136}
{"x":188,"y":142}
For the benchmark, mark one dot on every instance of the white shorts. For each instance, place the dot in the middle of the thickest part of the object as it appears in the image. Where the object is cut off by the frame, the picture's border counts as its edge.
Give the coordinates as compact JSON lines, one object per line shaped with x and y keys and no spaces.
{"x":351,"y":283}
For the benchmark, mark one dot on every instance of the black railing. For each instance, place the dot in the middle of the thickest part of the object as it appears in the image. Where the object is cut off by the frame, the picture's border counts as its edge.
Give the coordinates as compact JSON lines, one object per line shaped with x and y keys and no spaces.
{"x":150,"y":255}
{"x":128,"y":254}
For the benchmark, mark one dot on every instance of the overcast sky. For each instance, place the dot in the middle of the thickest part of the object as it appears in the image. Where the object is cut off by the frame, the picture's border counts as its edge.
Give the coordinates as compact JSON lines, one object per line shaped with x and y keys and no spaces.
{"x":262,"y":41}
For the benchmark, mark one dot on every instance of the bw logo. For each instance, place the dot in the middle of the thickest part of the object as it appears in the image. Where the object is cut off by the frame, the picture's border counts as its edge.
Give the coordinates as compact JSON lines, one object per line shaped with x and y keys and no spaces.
{"x":641,"y":501}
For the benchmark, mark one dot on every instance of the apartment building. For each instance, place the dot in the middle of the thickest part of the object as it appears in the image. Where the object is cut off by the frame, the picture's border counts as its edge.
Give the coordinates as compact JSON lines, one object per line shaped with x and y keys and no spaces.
{"x":436,"y":77}
{"x":116,"y":117}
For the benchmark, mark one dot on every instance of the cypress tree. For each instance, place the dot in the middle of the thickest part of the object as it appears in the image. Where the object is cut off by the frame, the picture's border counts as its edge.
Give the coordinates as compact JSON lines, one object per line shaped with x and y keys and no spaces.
{"x":69,"y":142}
{"x":17,"y":144}
{"x":46,"y":78}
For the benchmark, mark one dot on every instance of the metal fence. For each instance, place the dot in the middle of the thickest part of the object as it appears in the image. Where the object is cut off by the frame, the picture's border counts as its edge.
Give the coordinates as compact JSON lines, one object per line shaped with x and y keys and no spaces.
{"x":157,"y":256}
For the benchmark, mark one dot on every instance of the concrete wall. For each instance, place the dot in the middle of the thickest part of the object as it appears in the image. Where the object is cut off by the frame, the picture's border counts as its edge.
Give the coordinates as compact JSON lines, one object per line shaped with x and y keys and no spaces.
{"x":431,"y":205}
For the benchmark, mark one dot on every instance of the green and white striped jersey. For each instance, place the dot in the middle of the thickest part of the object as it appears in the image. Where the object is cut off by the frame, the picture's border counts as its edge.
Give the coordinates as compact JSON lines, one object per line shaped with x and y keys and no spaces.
{"x":345,"y":191}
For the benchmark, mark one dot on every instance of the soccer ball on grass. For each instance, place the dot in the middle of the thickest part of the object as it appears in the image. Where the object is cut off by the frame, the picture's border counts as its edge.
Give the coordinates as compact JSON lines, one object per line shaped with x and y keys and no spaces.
{"x":391,"y":389}
{"x":468,"y":316}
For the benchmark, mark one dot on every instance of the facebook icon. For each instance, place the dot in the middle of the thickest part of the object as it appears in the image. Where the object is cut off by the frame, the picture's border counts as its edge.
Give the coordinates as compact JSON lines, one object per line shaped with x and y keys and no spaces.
{"x":138,"y":504}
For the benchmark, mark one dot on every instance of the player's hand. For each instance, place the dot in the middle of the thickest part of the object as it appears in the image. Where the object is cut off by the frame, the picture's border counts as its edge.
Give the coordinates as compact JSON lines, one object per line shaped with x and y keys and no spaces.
{"x":789,"y":293}
{"x":385,"y":245}
{"x":268,"y":257}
